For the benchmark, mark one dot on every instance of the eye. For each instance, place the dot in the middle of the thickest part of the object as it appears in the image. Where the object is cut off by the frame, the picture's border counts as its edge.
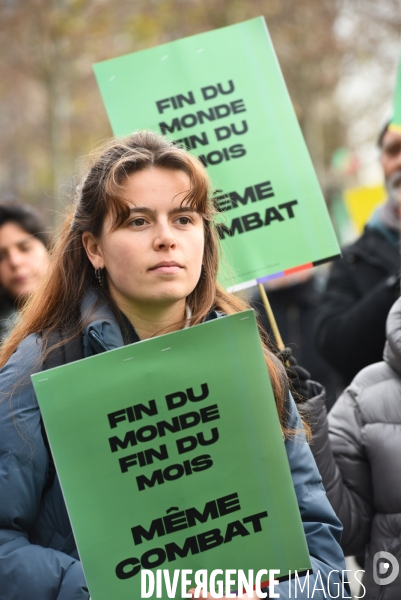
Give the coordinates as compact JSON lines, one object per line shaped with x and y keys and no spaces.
{"x":393,"y":150}
{"x":138,"y":222}
{"x":184,"y":220}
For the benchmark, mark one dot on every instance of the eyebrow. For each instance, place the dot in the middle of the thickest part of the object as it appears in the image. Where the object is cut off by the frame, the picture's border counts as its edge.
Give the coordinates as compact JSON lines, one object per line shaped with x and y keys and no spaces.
{"x":149,"y":211}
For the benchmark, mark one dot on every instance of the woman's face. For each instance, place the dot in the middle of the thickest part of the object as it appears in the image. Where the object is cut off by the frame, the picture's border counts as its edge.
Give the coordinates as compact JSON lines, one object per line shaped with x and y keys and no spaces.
{"x":23,"y":261}
{"x":155,"y":258}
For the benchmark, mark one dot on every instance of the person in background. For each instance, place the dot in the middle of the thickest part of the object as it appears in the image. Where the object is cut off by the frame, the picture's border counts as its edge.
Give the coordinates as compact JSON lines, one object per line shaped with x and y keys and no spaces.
{"x":357,"y":449}
{"x":24,"y":259}
{"x":364,"y":284}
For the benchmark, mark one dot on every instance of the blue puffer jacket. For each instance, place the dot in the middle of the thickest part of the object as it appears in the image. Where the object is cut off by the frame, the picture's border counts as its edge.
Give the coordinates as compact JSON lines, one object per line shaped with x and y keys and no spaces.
{"x":38,"y":556}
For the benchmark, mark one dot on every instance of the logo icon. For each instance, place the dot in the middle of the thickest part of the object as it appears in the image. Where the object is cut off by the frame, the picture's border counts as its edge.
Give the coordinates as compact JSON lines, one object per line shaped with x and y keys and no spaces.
{"x":385,"y":568}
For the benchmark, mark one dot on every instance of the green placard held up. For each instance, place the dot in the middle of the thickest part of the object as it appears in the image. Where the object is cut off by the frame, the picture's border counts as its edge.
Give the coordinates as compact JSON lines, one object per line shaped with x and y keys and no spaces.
{"x":170,"y":459}
{"x":222,"y":95}
{"x":395,"y":124}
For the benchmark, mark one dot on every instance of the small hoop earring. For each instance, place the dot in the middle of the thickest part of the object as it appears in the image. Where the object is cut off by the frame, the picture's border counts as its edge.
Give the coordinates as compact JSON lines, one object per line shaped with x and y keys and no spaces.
{"x":99,"y":276}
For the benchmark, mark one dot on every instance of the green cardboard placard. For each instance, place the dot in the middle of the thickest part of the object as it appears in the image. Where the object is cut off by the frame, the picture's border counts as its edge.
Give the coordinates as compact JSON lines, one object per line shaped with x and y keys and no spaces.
{"x":395,"y":124}
{"x":223,"y":95}
{"x":149,"y":437}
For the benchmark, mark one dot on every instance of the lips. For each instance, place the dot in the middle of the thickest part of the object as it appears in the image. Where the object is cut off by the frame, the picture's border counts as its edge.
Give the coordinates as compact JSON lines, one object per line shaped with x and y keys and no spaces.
{"x":166,"y":266}
{"x":20,"y":280}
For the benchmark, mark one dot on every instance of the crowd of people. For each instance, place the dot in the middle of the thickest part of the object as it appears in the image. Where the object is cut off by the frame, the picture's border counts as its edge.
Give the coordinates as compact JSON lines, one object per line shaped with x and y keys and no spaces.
{"x":137,"y":256}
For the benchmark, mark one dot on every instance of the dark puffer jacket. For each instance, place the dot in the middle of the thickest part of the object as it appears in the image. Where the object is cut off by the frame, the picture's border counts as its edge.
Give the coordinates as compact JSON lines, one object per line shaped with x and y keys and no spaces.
{"x":358,"y":452}
{"x":350,"y":328}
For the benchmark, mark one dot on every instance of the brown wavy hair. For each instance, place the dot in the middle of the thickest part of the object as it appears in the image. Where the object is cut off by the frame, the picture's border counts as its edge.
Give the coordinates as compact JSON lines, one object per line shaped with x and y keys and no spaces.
{"x":56,"y":303}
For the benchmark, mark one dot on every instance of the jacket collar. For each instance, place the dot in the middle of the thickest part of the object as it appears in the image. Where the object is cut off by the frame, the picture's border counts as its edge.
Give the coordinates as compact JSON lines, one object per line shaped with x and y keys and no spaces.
{"x":102,"y":331}
{"x":376,"y":250}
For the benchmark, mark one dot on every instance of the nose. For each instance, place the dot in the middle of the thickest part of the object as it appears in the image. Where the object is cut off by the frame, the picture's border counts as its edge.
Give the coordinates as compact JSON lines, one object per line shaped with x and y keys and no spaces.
{"x":15,"y":258}
{"x":164,"y":237}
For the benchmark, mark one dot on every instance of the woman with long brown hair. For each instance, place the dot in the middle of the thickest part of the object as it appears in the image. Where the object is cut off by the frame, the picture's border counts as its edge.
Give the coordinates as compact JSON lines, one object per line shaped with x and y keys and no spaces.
{"x":137,"y":257}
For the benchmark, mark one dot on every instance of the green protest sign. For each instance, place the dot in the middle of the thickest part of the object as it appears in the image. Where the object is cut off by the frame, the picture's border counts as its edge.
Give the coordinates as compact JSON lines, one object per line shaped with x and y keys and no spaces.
{"x":395,"y":124}
{"x":170,"y":459}
{"x":222,"y":95}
